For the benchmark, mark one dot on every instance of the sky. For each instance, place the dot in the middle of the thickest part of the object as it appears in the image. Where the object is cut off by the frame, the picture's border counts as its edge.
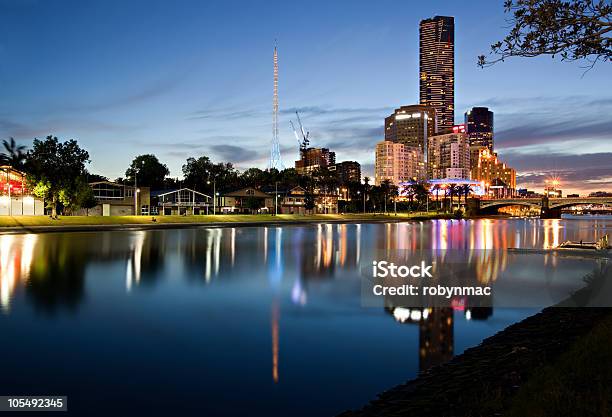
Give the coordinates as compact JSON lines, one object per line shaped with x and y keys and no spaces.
{"x":186,"y":78}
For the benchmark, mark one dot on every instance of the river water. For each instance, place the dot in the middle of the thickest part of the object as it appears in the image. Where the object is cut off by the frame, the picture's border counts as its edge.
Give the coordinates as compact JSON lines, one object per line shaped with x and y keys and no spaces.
{"x":258,"y":321}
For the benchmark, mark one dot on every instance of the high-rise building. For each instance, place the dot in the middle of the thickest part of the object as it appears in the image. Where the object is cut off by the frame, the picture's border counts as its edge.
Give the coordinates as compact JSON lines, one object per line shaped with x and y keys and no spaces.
{"x":479,"y":125}
{"x":397,"y":163}
{"x":347,"y":172}
{"x":437,"y":68}
{"x":313,"y":158}
{"x":411,"y":126}
{"x":449,"y":155}
{"x":497,"y":177}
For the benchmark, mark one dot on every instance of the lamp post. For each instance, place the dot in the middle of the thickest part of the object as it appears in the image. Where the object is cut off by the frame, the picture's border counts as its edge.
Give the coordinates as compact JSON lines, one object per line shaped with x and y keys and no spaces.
{"x":276,"y":198}
{"x":214,"y":182}
{"x":136,"y":190}
{"x":135,"y":193}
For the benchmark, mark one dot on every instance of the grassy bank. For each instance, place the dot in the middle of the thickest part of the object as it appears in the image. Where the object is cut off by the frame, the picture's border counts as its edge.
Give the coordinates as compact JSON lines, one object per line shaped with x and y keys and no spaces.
{"x":578,"y":383}
{"x":33,"y":221}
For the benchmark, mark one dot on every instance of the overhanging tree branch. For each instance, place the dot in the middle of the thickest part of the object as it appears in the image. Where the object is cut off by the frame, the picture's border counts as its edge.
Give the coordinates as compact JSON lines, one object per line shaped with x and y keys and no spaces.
{"x":574,"y":30}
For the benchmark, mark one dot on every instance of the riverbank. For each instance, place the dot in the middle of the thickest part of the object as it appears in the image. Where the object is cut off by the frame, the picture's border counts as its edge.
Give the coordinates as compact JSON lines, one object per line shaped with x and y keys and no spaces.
{"x":553,"y":363}
{"x":43,"y":224}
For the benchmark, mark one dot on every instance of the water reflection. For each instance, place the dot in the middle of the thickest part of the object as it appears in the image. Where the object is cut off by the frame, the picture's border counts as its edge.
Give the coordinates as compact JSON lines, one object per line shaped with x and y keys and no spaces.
{"x":54,"y":265}
{"x":50,"y":271}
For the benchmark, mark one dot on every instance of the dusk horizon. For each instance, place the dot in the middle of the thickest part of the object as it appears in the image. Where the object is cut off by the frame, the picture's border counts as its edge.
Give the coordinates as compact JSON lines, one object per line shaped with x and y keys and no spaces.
{"x":195,"y":80}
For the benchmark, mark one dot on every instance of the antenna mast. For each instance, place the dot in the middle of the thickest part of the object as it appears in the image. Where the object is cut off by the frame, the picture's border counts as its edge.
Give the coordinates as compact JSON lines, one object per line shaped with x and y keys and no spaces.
{"x":275,"y":157}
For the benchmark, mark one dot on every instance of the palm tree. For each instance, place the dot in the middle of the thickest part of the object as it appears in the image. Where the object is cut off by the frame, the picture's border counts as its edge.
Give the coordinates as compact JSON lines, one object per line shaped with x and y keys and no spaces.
{"x":465,"y":189}
{"x":385,"y":187}
{"x":14,"y":154}
{"x":453,"y":189}
{"x":436,"y":189}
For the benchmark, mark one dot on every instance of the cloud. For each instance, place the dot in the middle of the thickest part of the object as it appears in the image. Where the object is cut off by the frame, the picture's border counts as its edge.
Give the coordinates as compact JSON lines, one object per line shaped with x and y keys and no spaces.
{"x":235,"y":154}
{"x":551,"y":132}
{"x":226,"y":114}
{"x":325,"y":110}
{"x":541,"y":124}
{"x":576,"y":172}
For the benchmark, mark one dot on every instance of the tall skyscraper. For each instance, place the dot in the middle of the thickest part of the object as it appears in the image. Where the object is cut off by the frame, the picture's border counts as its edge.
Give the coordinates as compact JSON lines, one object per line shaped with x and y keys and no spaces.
{"x":437,"y":68}
{"x":479,"y":126}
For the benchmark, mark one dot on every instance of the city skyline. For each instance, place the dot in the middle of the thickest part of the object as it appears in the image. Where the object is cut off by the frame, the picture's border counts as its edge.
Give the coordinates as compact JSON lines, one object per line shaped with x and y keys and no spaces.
{"x":206,"y":89}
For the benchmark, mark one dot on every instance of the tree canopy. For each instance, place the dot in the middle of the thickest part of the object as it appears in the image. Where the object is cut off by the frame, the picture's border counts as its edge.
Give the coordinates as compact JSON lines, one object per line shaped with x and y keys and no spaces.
{"x":573,"y":30}
{"x":55,"y":169}
{"x":147,"y":171}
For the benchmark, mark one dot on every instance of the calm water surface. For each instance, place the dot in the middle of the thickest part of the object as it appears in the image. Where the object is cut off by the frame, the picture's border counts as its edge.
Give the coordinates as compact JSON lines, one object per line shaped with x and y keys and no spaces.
{"x":235,"y":321}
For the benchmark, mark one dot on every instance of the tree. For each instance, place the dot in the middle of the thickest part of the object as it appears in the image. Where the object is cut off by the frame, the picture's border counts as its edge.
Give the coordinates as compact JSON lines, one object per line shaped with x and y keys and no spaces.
{"x":147,"y":171}
{"x":55,"y":167}
{"x":436,"y":190}
{"x":465,"y":189}
{"x":197,"y":172}
{"x":574,"y":30}
{"x":420,"y":189}
{"x":95,"y":177}
{"x":13,"y":155}
{"x":80,"y":196}
{"x":253,"y":203}
{"x":309,"y":201}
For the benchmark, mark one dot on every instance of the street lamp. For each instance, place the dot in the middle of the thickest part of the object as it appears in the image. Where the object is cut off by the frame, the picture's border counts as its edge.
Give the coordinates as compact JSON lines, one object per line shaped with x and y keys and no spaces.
{"x":10,"y":201}
{"x":276,"y":199}
{"x":136,"y":189}
{"x":214,"y":182}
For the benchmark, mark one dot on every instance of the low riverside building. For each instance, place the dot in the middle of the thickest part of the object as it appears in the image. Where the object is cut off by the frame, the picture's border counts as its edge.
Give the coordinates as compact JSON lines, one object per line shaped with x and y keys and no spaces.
{"x":184,"y":201}
{"x":15,"y":197}
{"x":247,"y":200}
{"x":115,"y":199}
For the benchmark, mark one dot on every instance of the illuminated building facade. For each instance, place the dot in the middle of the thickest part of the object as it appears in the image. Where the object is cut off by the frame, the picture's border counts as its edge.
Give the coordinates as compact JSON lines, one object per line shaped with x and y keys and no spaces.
{"x":552,"y":190}
{"x":411,"y":126}
{"x":15,"y":198}
{"x":398,"y":163}
{"x":498,"y":178}
{"x":449,"y":155}
{"x":437,"y":68}
{"x":312,"y":159}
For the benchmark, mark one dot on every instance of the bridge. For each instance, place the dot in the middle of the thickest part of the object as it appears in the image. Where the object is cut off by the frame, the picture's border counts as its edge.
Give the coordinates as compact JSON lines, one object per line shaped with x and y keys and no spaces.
{"x":550,"y":208}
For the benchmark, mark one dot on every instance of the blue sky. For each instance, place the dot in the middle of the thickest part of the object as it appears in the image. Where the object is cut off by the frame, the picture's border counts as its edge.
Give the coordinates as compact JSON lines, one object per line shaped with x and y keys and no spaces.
{"x":192,"y":78}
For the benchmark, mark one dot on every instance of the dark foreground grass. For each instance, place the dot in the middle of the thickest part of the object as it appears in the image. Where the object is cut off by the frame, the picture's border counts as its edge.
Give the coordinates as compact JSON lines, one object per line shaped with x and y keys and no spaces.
{"x":578,"y":383}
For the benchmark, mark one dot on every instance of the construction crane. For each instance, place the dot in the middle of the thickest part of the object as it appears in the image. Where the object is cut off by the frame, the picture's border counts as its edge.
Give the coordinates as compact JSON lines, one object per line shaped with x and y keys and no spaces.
{"x":302,"y":137}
